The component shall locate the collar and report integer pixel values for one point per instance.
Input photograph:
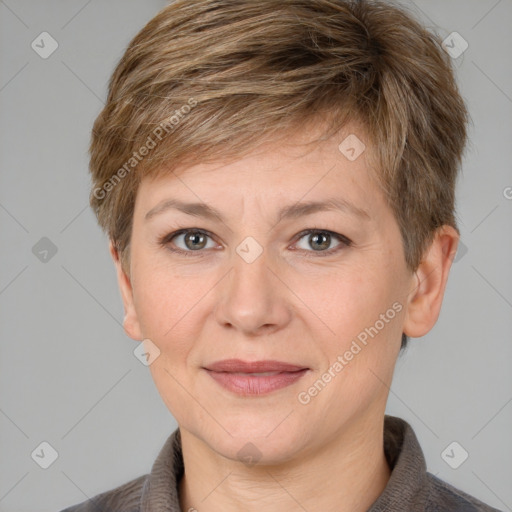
(406, 488)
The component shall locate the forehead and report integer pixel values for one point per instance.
(296, 168)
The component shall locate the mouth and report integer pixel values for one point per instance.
(266, 366)
(254, 378)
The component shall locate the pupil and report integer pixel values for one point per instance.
(193, 238)
(324, 244)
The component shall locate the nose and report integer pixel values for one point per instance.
(253, 299)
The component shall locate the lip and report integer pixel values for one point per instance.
(239, 366)
(233, 375)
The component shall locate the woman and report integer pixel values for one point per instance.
(277, 181)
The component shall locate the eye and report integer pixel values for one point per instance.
(321, 239)
(192, 240)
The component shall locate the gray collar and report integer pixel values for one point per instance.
(407, 488)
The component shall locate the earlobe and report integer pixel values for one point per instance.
(131, 323)
(425, 300)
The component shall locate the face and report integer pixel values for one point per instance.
(325, 290)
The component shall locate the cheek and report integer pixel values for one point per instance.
(169, 316)
(348, 301)
(367, 320)
(166, 304)
(364, 312)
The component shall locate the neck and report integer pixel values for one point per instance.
(347, 474)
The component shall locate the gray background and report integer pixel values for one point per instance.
(68, 375)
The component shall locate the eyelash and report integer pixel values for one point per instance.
(165, 240)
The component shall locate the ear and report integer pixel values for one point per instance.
(424, 303)
(131, 322)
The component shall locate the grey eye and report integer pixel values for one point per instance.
(319, 241)
(194, 240)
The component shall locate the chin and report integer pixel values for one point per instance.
(267, 442)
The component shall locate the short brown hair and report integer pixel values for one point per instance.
(210, 79)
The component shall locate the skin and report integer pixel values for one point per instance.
(326, 454)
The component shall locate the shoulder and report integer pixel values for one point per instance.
(444, 497)
(124, 498)
(159, 486)
(411, 487)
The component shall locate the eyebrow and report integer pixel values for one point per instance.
(299, 209)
